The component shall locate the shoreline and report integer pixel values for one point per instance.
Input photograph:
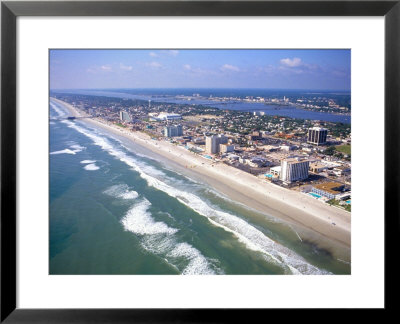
(267, 198)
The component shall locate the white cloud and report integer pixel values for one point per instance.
(154, 65)
(152, 54)
(228, 67)
(171, 52)
(197, 70)
(125, 67)
(106, 68)
(291, 62)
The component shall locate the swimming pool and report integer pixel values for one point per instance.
(269, 175)
(314, 195)
(348, 201)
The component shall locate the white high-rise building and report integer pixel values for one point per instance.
(124, 116)
(317, 135)
(173, 130)
(212, 144)
(293, 169)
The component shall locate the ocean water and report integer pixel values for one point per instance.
(115, 208)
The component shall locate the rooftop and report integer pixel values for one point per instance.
(318, 128)
(295, 160)
(331, 187)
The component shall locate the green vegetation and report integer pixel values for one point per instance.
(339, 130)
(334, 202)
(346, 149)
(339, 151)
(330, 150)
(120, 125)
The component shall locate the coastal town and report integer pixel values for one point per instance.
(307, 156)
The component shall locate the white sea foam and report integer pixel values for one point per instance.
(198, 264)
(158, 238)
(88, 161)
(75, 149)
(121, 191)
(182, 256)
(66, 151)
(91, 167)
(57, 109)
(253, 238)
(138, 220)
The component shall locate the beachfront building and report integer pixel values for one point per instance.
(173, 130)
(294, 169)
(317, 135)
(276, 170)
(124, 116)
(213, 143)
(225, 148)
(330, 190)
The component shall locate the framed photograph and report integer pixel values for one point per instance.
(161, 158)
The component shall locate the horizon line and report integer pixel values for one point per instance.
(159, 88)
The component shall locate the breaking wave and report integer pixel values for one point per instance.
(91, 167)
(75, 149)
(121, 191)
(158, 238)
(59, 111)
(249, 235)
(88, 161)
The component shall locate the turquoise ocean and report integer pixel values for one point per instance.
(117, 208)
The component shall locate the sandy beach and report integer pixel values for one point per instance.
(245, 188)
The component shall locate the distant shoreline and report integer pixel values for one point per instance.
(245, 188)
(332, 117)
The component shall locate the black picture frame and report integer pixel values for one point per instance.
(10, 10)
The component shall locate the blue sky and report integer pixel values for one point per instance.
(267, 69)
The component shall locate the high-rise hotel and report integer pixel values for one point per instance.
(124, 116)
(317, 135)
(213, 143)
(173, 130)
(294, 169)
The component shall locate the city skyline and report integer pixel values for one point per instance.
(258, 69)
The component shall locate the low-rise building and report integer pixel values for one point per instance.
(164, 116)
(330, 190)
(256, 162)
(276, 170)
(317, 167)
(341, 171)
